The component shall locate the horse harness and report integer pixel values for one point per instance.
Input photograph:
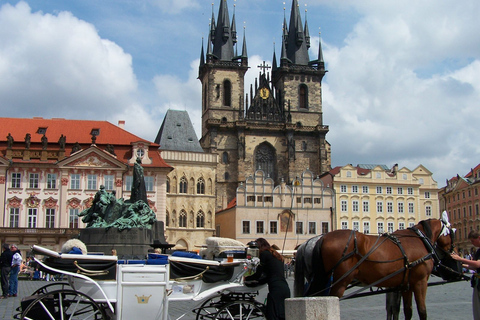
(431, 253)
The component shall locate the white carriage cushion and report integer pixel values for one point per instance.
(215, 245)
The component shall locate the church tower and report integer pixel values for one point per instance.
(276, 127)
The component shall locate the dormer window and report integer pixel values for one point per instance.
(95, 132)
(42, 130)
(140, 153)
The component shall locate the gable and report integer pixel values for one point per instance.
(92, 158)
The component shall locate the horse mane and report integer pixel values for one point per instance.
(426, 228)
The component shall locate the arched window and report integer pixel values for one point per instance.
(182, 219)
(167, 219)
(201, 186)
(168, 185)
(200, 219)
(265, 159)
(183, 185)
(227, 176)
(225, 157)
(227, 93)
(303, 96)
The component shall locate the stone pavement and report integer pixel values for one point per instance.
(448, 301)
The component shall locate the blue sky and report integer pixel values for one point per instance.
(403, 84)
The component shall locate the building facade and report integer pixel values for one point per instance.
(374, 199)
(277, 125)
(190, 208)
(285, 214)
(460, 197)
(51, 169)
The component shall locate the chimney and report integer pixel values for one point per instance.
(121, 124)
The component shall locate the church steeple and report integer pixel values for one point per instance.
(223, 40)
(296, 46)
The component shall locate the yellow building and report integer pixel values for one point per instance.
(376, 199)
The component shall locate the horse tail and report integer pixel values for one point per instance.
(299, 282)
(321, 279)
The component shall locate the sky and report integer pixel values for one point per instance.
(403, 81)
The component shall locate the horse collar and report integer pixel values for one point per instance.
(427, 243)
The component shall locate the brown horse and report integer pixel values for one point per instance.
(403, 260)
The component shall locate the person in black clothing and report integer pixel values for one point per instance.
(5, 262)
(271, 271)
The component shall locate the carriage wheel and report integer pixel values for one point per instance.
(209, 308)
(63, 304)
(240, 310)
(52, 287)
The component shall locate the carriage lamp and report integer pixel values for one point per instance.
(252, 250)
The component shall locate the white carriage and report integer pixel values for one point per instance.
(102, 287)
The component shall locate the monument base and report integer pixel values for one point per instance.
(129, 244)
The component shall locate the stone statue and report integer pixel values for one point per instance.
(107, 211)
(27, 141)
(44, 142)
(9, 141)
(110, 149)
(76, 147)
(61, 141)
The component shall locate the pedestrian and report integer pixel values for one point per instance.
(271, 271)
(6, 263)
(474, 264)
(16, 262)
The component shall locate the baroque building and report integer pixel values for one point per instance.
(51, 169)
(190, 206)
(460, 197)
(374, 199)
(277, 126)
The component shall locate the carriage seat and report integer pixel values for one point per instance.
(210, 271)
(99, 267)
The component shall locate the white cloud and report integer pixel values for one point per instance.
(56, 65)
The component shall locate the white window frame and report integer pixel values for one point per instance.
(344, 205)
(273, 224)
(355, 206)
(298, 227)
(365, 206)
(356, 225)
(75, 181)
(344, 225)
(343, 188)
(246, 225)
(33, 180)
(354, 189)
(312, 227)
(92, 182)
(51, 180)
(109, 182)
(366, 227)
(32, 218)
(260, 224)
(380, 206)
(149, 183)
(380, 228)
(390, 228)
(16, 180)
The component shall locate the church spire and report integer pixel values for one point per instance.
(223, 40)
(307, 34)
(202, 56)
(296, 46)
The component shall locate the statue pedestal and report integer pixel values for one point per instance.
(130, 244)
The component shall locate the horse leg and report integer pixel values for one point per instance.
(392, 304)
(407, 304)
(420, 291)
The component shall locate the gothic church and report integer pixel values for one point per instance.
(277, 126)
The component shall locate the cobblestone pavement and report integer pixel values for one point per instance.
(448, 301)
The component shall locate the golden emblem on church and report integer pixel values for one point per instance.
(264, 93)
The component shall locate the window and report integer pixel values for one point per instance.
(225, 157)
(50, 218)
(182, 219)
(400, 190)
(410, 190)
(325, 228)
(168, 185)
(51, 181)
(427, 194)
(355, 205)
(428, 211)
(32, 218)
(356, 225)
(299, 227)
(149, 182)
(227, 93)
(411, 224)
(404, 176)
(245, 227)
(411, 207)
(312, 227)
(379, 227)
(273, 227)
(389, 227)
(260, 227)
(400, 207)
(14, 217)
(317, 200)
(389, 190)
(401, 225)
(201, 186)
(108, 182)
(33, 181)
(349, 174)
(303, 96)
(128, 183)
(365, 206)
(250, 198)
(343, 188)
(265, 159)
(75, 181)
(379, 190)
(183, 185)
(343, 204)
(354, 189)
(307, 200)
(379, 206)
(16, 179)
(91, 182)
(378, 175)
(73, 218)
(200, 219)
(365, 189)
(344, 225)
(390, 207)
(167, 219)
(366, 227)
